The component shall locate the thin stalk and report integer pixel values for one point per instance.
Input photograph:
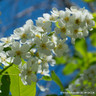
(6, 68)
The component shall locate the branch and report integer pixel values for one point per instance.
(68, 3)
(65, 3)
(91, 5)
(30, 9)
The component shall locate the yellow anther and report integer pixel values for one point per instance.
(37, 54)
(76, 31)
(23, 35)
(77, 21)
(66, 19)
(52, 18)
(43, 45)
(37, 35)
(3, 59)
(88, 22)
(42, 73)
(63, 30)
(18, 53)
(29, 72)
(60, 46)
(44, 21)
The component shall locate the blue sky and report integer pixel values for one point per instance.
(12, 8)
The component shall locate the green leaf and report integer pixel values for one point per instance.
(60, 60)
(93, 39)
(57, 25)
(94, 16)
(91, 58)
(51, 33)
(47, 78)
(23, 61)
(56, 79)
(14, 76)
(88, 1)
(81, 47)
(52, 95)
(6, 49)
(1, 65)
(0, 81)
(69, 68)
(17, 88)
(27, 90)
(5, 85)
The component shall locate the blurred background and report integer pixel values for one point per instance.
(14, 13)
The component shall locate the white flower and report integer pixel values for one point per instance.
(28, 72)
(47, 60)
(44, 45)
(3, 58)
(43, 25)
(37, 35)
(43, 67)
(42, 88)
(24, 32)
(86, 83)
(31, 53)
(54, 38)
(30, 42)
(65, 16)
(18, 51)
(55, 14)
(63, 29)
(72, 88)
(77, 19)
(60, 48)
(90, 73)
(7, 41)
(88, 20)
(76, 32)
(50, 18)
(51, 61)
(35, 44)
(43, 71)
(1, 47)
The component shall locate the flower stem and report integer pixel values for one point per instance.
(6, 68)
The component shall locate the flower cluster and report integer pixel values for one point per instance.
(86, 83)
(35, 45)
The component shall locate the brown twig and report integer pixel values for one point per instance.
(91, 5)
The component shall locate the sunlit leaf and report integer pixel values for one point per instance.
(51, 33)
(94, 16)
(60, 60)
(27, 90)
(23, 61)
(70, 68)
(47, 78)
(88, 1)
(57, 25)
(93, 39)
(17, 88)
(56, 79)
(92, 58)
(1, 66)
(81, 47)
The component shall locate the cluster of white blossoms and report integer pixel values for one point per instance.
(35, 45)
(86, 84)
